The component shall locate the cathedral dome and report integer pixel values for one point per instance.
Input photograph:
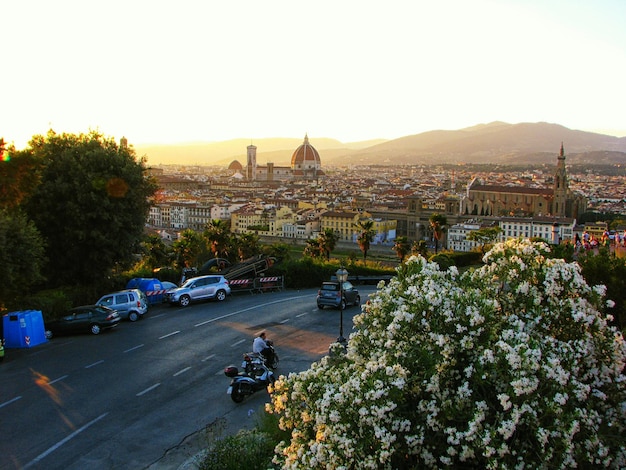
(305, 157)
(235, 165)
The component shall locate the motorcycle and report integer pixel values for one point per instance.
(255, 376)
(272, 363)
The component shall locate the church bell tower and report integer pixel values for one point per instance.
(561, 186)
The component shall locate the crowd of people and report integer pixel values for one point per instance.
(590, 241)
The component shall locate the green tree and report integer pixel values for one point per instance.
(419, 248)
(313, 249)
(610, 271)
(247, 245)
(19, 176)
(437, 223)
(366, 235)
(280, 251)
(90, 205)
(217, 234)
(484, 236)
(155, 252)
(327, 240)
(22, 257)
(401, 247)
(188, 249)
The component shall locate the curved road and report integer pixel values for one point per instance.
(122, 399)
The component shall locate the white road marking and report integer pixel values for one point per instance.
(143, 392)
(182, 371)
(211, 356)
(170, 334)
(256, 307)
(57, 380)
(10, 401)
(133, 348)
(63, 441)
(94, 364)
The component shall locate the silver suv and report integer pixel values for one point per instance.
(131, 304)
(199, 288)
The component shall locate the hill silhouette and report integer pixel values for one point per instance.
(496, 142)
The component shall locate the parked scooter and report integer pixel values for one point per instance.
(1, 349)
(255, 376)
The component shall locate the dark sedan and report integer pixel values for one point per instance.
(88, 318)
(329, 295)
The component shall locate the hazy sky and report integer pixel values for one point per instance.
(167, 72)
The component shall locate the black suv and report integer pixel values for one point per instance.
(329, 295)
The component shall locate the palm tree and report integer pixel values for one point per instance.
(188, 249)
(437, 222)
(313, 249)
(366, 236)
(419, 248)
(401, 247)
(247, 245)
(327, 241)
(217, 234)
(156, 253)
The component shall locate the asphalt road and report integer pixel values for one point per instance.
(124, 398)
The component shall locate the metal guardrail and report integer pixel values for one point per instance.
(258, 284)
(366, 279)
(269, 283)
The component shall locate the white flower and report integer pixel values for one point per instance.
(505, 401)
(449, 370)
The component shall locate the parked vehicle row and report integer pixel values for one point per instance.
(132, 305)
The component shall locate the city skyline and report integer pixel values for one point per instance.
(351, 71)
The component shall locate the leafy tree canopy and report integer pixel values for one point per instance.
(90, 205)
(21, 256)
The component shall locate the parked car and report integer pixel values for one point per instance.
(131, 304)
(87, 318)
(329, 295)
(167, 285)
(199, 288)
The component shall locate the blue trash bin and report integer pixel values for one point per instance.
(24, 329)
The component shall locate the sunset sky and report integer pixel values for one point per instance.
(170, 72)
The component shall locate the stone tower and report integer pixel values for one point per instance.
(561, 186)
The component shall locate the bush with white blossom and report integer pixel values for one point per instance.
(511, 365)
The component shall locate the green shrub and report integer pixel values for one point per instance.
(252, 450)
(443, 260)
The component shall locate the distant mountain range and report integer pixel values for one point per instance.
(496, 142)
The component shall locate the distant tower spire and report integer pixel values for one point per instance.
(251, 163)
(561, 186)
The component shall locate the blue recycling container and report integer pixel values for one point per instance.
(150, 286)
(24, 329)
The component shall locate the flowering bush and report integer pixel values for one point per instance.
(508, 366)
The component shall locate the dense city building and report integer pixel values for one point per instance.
(299, 201)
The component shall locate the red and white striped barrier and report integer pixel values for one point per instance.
(155, 292)
(239, 282)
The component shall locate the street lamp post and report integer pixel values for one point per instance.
(342, 276)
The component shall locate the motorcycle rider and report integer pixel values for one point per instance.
(260, 346)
